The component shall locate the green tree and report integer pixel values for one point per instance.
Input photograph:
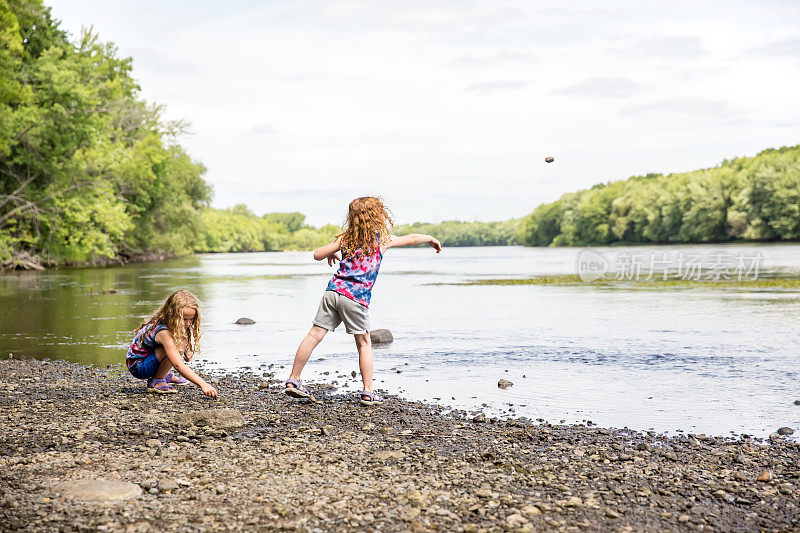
(750, 198)
(87, 169)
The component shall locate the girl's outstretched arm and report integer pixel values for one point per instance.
(413, 239)
(328, 252)
(165, 339)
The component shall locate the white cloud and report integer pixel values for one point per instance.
(600, 88)
(262, 129)
(447, 108)
(492, 86)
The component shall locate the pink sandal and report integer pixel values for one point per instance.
(296, 390)
(176, 379)
(160, 386)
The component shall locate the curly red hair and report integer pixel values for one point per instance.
(367, 218)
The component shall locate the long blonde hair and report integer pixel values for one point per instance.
(171, 315)
(366, 218)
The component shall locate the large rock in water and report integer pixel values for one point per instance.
(244, 321)
(215, 418)
(381, 336)
(785, 431)
(98, 490)
(504, 384)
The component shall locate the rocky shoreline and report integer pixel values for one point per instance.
(72, 436)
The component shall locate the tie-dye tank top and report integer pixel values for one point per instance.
(144, 342)
(357, 274)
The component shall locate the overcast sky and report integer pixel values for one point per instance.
(448, 108)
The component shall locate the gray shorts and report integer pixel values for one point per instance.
(336, 308)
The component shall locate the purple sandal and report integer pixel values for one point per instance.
(367, 397)
(176, 379)
(160, 386)
(297, 390)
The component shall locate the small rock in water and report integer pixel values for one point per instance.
(99, 490)
(381, 336)
(353, 373)
(504, 384)
(244, 321)
(764, 476)
(785, 431)
(796, 402)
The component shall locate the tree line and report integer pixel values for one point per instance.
(747, 198)
(90, 171)
(458, 233)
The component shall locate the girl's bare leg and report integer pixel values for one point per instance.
(165, 366)
(307, 345)
(364, 346)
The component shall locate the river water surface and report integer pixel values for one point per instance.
(702, 360)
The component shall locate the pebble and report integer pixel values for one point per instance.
(530, 511)
(215, 418)
(574, 501)
(516, 520)
(98, 490)
(167, 485)
(764, 476)
(504, 384)
(389, 454)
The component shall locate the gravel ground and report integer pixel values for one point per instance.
(256, 460)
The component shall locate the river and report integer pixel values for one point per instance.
(700, 360)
